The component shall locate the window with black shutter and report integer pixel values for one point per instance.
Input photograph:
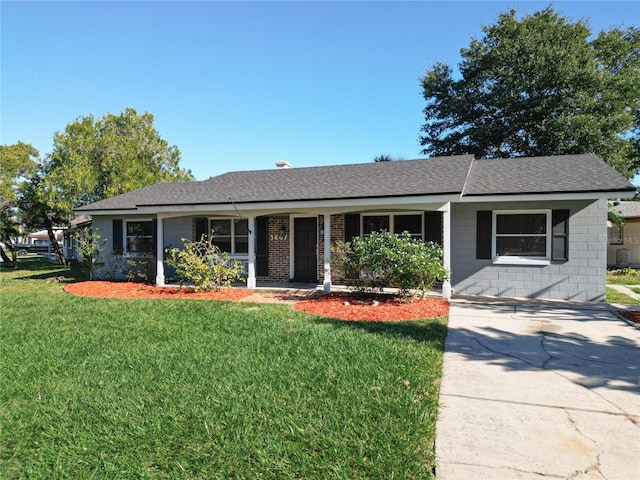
(484, 220)
(560, 235)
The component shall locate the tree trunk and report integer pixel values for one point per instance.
(7, 261)
(54, 242)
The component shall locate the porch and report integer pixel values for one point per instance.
(292, 250)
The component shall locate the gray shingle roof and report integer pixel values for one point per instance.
(430, 176)
(628, 209)
(528, 175)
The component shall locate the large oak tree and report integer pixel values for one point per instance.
(94, 159)
(17, 162)
(538, 86)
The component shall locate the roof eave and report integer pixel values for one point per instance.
(530, 196)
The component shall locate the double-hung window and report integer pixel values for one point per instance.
(139, 236)
(393, 223)
(230, 235)
(522, 236)
(615, 235)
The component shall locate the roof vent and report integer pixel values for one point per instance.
(283, 164)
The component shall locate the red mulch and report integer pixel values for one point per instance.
(633, 315)
(349, 307)
(333, 305)
(102, 289)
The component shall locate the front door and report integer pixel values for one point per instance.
(305, 244)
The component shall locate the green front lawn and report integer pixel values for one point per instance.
(614, 296)
(109, 388)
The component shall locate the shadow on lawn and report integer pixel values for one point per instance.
(42, 268)
(421, 331)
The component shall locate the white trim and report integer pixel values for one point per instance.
(232, 235)
(125, 245)
(513, 260)
(341, 205)
(519, 260)
(344, 205)
(391, 216)
(545, 197)
(446, 250)
(327, 252)
(251, 265)
(160, 251)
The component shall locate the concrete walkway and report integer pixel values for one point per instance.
(539, 390)
(626, 289)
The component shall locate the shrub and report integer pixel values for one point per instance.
(204, 265)
(386, 260)
(140, 269)
(90, 247)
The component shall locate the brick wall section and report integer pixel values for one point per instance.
(279, 250)
(582, 277)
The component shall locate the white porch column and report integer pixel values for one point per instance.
(251, 273)
(327, 253)
(160, 251)
(446, 248)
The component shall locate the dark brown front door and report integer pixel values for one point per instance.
(305, 239)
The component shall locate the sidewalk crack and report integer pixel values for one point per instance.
(593, 467)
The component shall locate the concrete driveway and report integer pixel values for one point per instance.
(536, 390)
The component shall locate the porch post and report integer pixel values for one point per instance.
(446, 248)
(160, 251)
(327, 253)
(251, 266)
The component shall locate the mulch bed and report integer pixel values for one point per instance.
(102, 289)
(631, 315)
(343, 306)
(373, 308)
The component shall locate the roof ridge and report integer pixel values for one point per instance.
(466, 178)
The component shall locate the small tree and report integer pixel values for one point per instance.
(90, 248)
(386, 260)
(204, 265)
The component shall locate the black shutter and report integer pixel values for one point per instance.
(155, 237)
(560, 235)
(262, 246)
(483, 234)
(351, 226)
(117, 236)
(433, 227)
(200, 229)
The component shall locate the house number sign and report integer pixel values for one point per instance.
(280, 237)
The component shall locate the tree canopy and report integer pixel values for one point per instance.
(94, 159)
(538, 86)
(17, 162)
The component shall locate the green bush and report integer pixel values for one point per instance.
(204, 265)
(386, 260)
(90, 246)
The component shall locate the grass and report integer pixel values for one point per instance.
(613, 296)
(111, 388)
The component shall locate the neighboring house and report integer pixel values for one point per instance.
(73, 235)
(521, 227)
(623, 249)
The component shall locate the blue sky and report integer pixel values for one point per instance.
(239, 85)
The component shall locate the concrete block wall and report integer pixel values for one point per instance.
(109, 265)
(582, 277)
